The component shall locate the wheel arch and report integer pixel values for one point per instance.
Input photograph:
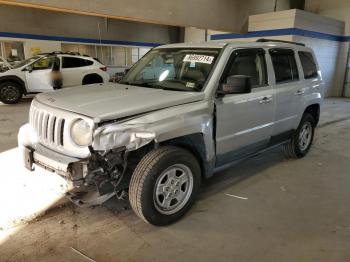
(16, 80)
(194, 143)
(92, 78)
(314, 110)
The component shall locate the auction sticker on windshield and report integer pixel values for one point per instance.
(199, 58)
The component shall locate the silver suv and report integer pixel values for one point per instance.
(182, 113)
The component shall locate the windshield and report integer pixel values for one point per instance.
(173, 69)
(27, 61)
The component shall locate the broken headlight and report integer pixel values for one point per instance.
(81, 133)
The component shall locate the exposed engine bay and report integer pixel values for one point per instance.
(108, 175)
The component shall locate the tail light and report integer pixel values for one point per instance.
(104, 68)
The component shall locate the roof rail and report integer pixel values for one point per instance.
(72, 53)
(63, 53)
(279, 41)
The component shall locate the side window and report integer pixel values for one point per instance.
(44, 63)
(88, 62)
(284, 65)
(72, 62)
(308, 64)
(249, 62)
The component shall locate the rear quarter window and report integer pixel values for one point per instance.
(72, 62)
(308, 64)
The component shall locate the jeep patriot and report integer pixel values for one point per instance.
(180, 114)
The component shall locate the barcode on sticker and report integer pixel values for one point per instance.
(199, 59)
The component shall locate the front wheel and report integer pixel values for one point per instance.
(10, 93)
(164, 185)
(301, 141)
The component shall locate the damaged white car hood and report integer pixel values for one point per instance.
(112, 101)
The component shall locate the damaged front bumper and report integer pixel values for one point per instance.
(101, 168)
(73, 169)
(91, 183)
(33, 153)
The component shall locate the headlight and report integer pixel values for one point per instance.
(81, 133)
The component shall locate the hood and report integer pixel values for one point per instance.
(12, 72)
(113, 101)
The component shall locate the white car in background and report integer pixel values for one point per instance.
(50, 71)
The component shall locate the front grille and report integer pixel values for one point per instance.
(47, 127)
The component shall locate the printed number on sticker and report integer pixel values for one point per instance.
(199, 59)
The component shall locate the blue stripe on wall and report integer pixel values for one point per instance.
(76, 39)
(283, 31)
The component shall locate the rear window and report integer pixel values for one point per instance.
(71, 62)
(308, 64)
(284, 65)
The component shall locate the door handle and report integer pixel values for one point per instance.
(265, 99)
(299, 92)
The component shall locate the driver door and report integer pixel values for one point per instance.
(244, 121)
(38, 75)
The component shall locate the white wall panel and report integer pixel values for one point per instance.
(273, 20)
(193, 34)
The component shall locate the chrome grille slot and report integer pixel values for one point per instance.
(61, 132)
(59, 128)
(40, 124)
(45, 124)
(51, 129)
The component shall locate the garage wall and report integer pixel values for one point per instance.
(47, 31)
(337, 9)
(47, 23)
(225, 15)
(252, 7)
(35, 46)
(193, 34)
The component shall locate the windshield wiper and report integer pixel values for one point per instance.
(177, 89)
(131, 84)
(156, 86)
(142, 84)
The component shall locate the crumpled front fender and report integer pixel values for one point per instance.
(114, 136)
(159, 126)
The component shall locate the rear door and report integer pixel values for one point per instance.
(244, 122)
(289, 90)
(73, 70)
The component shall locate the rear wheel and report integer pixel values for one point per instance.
(302, 138)
(164, 185)
(10, 92)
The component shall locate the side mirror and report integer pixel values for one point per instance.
(28, 68)
(236, 84)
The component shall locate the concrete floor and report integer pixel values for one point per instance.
(296, 210)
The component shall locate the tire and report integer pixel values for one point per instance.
(10, 92)
(164, 169)
(297, 148)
